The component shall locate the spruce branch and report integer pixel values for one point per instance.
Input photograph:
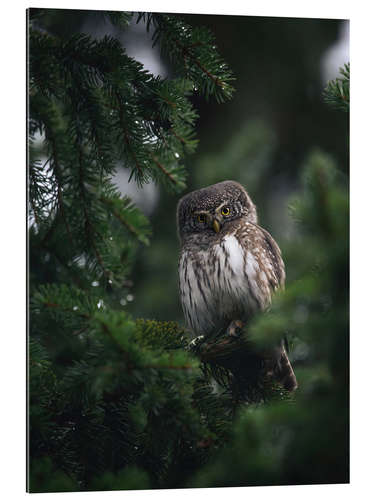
(193, 52)
(119, 19)
(90, 232)
(129, 216)
(54, 305)
(61, 204)
(34, 183)
(337, 92)
(127, 141)
(181, 139)
(186, 51)
(163, 169)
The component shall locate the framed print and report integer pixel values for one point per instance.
(188, 250)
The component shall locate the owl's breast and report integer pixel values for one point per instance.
(220, 283)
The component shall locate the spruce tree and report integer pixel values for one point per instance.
(121, 402)
(114, 402)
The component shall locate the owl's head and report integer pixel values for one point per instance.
(212, 210)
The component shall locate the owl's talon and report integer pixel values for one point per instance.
(235, 328)
(195, 342)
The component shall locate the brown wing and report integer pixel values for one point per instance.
(273, 252)
(267, 273)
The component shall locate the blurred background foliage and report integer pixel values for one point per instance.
(279, 138)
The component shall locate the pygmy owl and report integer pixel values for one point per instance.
(229, 266)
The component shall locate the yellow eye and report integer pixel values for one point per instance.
(225, 211)
(201, 218)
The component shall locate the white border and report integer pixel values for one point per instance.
(273, 8)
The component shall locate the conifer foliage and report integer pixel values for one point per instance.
(337, 91)
(114, 402)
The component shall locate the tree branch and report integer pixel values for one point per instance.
(163, 169)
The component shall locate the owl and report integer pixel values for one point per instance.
(229, 266)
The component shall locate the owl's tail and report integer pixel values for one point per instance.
(280, 368)
(284, 370)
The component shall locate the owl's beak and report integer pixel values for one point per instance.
(216, 225)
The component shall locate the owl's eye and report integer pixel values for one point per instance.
(201, 218)
(225, 211)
